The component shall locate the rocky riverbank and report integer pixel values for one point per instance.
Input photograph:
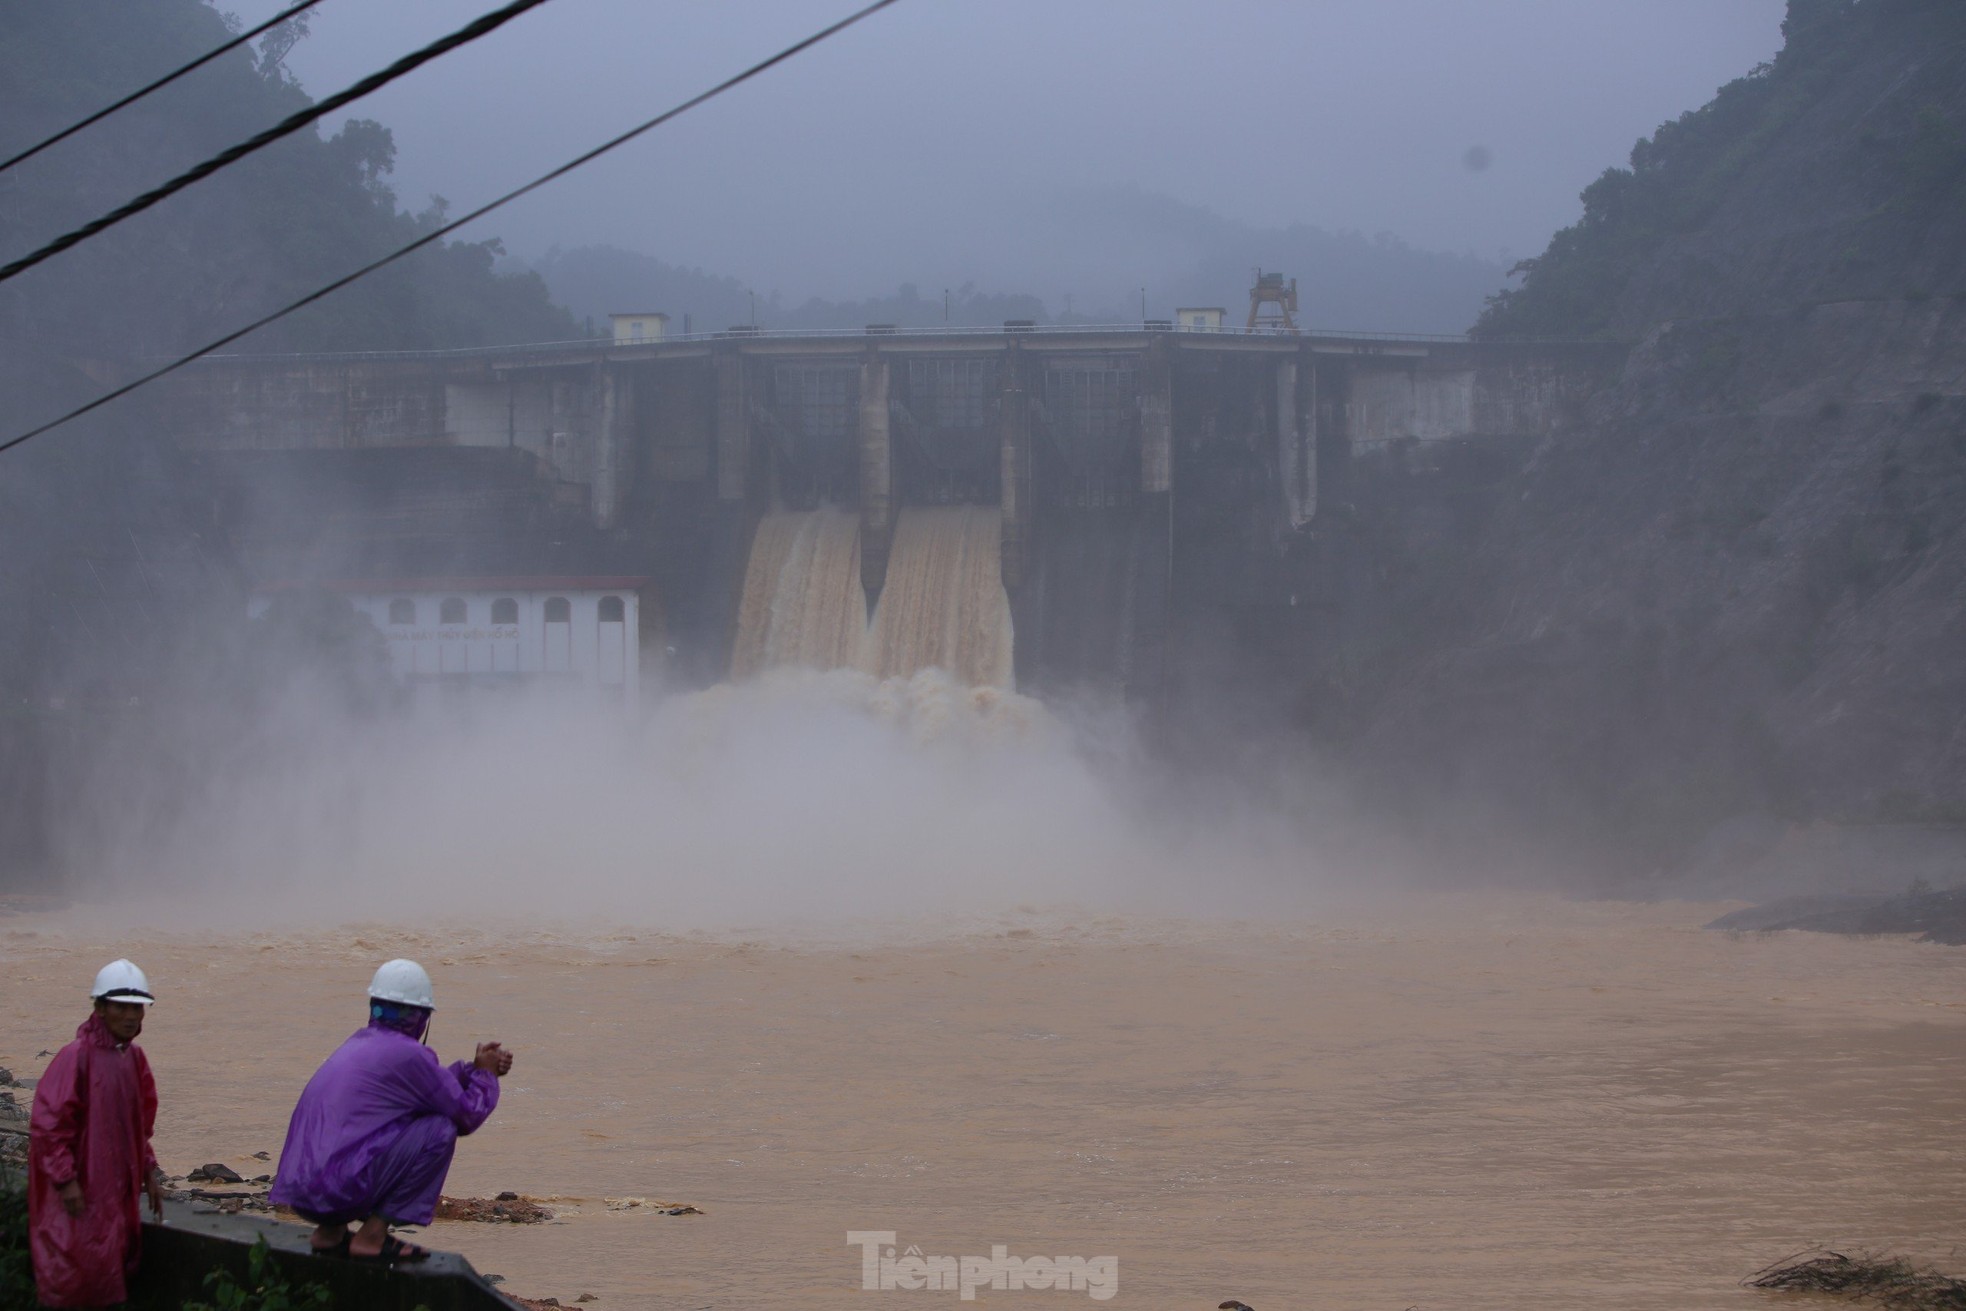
(1935, 916)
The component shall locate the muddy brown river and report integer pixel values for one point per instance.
(1463, 1102)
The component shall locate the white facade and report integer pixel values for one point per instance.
(630, 329)
(1207, 319)
(576, 634)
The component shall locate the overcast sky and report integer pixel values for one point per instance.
(917, 145)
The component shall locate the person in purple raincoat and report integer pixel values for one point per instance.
(372, 1136)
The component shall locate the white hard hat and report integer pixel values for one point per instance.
(122, 981)
(404, 982)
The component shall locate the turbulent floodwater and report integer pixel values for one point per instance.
(943, 605)
(1466, 1102)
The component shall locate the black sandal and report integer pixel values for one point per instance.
(394, 1252)
(338, 1250)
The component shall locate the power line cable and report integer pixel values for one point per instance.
(165, 80)
(285, 128)
(455, 224)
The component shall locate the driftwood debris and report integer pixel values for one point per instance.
(1892, 1282)
(506, 1208)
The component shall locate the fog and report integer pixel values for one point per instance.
(801, 801)
(1102, 158)
(943, 143)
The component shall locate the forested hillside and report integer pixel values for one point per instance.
(1838, 171)
(1737, 593)
(122, 605)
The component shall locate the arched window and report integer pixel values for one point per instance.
(402, 611)
(451, 610)
(558, 644)
(505, 611)
(611, 643)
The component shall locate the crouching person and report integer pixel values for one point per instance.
(88, 1152)
(371, 1139)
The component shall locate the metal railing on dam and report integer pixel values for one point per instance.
(881, 333)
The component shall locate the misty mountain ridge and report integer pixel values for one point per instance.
(1099, 242)
(1089, 255)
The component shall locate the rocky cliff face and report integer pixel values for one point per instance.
(1739, 588)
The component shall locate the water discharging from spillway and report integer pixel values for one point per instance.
(943, 606)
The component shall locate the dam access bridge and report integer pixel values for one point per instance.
(1138, 471)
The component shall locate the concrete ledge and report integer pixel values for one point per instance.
(195, 1239)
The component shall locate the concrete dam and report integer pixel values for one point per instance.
(1041, 508)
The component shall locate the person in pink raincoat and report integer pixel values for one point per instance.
(372, 1136)
(88, 1151)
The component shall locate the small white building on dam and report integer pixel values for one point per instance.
(576, 634)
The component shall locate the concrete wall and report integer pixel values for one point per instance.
(300, 404)
(675, 422)
(1432, 399)
(1411, 402)
(603, 424)
(1471, 391)
(578, 420)
(194, 1240)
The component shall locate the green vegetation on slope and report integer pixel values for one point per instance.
(1697, 225)
(16, 1269)
(244, 241)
